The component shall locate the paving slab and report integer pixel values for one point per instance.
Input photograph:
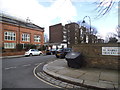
(63, 71)
(74, 75)
(109, 76)
(54, 68)
(59, 62)
(105, 85)
(90, 83)
(94, 77)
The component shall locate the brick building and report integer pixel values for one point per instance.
(66, 36)
(16, 31)
(73, 34)
(56, 33)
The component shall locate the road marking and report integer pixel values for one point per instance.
(26, 65)
(38, 63)
(42, 79)
(27, 57)
(10, 68)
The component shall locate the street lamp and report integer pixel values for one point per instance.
(89, 39)
(89, 21)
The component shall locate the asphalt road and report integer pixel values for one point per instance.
(18, 72)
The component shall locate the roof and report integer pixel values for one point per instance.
(72, 23)
(15, 21)
(56, 25)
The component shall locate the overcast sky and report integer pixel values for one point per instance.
(49, 12)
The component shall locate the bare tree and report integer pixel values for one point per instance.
(111, 38)
(104, 6)
(94, 31)
(117, 31)
(99, 36)
(87, 27)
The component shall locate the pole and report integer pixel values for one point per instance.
(90, 41)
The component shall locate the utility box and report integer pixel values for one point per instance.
(74, 59)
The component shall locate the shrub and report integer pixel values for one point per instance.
(33, 46)
(30, 46)
(42, 48)
(19, 47)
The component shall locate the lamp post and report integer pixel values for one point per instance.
(89, 38)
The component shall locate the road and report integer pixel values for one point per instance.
(18, 72)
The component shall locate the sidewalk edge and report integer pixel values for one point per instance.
(69, 79)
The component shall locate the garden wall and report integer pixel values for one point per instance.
(13, 53)
(93, 56)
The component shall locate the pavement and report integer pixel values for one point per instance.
(87, 77)
(16, 56)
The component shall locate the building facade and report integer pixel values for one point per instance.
(73, 34)
(15, 32)
(56, 33)
(64, 36)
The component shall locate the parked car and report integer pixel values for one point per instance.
(60, 53)
(32, 52)
(48, 52)
(53, 51)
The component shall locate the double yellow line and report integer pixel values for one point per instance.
(42, 79)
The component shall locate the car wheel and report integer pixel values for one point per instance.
(30, 54)
(60, 57)
(40, 54)
(57, 56)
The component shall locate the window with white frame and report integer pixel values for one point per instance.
(36, 38)
(10, 36)
(23, 45)
(9, 45)
(25, 37)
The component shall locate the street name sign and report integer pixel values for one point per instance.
(110, 50)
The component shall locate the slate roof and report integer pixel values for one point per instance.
(14, 21)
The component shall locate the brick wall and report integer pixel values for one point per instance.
(93, 56)
(13, 53)
(9, 27)
(19, 30)
(55, 33)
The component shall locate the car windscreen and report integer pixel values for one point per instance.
(68, 49)
(60, 50)
(32, 50)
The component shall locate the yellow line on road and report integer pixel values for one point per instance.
(42, 79)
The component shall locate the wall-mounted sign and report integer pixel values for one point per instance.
(110, 50)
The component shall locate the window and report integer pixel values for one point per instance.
(64, 32)
(68, 30)
(64, 40)
(23, 45)
(9, 36)
(9, 45)
(36, 38)
(75, 38)
(33, 50)
(64, 37)
(37, 44)
(25, 37)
